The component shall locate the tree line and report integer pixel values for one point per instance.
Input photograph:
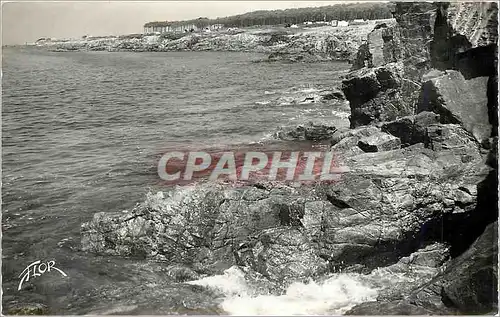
(346, 11)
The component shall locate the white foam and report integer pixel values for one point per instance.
(263, 103)
(335, 295)
(232, 282)
(341, 114)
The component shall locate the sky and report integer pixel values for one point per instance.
(26, 21)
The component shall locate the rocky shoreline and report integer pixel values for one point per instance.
(306, 45)
(420, 193)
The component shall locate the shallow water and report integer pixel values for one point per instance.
(81, 133)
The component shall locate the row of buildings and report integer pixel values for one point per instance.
(165, 27)
(339, 23)
(176, 27)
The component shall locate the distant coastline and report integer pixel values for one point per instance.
(302, 43)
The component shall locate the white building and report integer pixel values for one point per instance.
(359, 22)
(215, 27)
(343, 23)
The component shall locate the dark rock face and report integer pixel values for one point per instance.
(412, 129)
(469, 283)
(377, 94)
(458, 101)
(450, 136)
(465, 38)
(416, 22)
(456, 121)
(347, 143)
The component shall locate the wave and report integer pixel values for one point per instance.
(333, 296)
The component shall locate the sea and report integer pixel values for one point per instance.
(81, 132)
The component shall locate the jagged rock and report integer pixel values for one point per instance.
(379, 142)
(376, 94)
(458, 101)
(200, 226)
(290, 133)
(382, 47)
(416, 22)
(432, 256)
(282, 254)
(418, 268)
(346, 143)
(386, 206)
(412, 181)
(469, 283)
(476, 21)
(411, 129)
(317, 132)
(311, 131)
(452, 137)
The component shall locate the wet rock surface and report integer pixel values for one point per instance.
(310, 131)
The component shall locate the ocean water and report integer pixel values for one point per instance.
(81, 133)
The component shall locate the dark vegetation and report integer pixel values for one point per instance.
(367, 11)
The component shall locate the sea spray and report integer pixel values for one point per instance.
(334, 295)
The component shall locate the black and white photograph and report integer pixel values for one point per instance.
(249, 158)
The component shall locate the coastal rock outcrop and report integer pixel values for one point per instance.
(373, 217)
(382, 46)
(439, 95)
(411, 129)
(282, 254)
(467, 285)
(450, 50)
(378, 94)
(310, 131)
(469, 282)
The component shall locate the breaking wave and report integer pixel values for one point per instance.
(333, 296)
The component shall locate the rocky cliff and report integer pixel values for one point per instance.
(419, 193)
(449, 53)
